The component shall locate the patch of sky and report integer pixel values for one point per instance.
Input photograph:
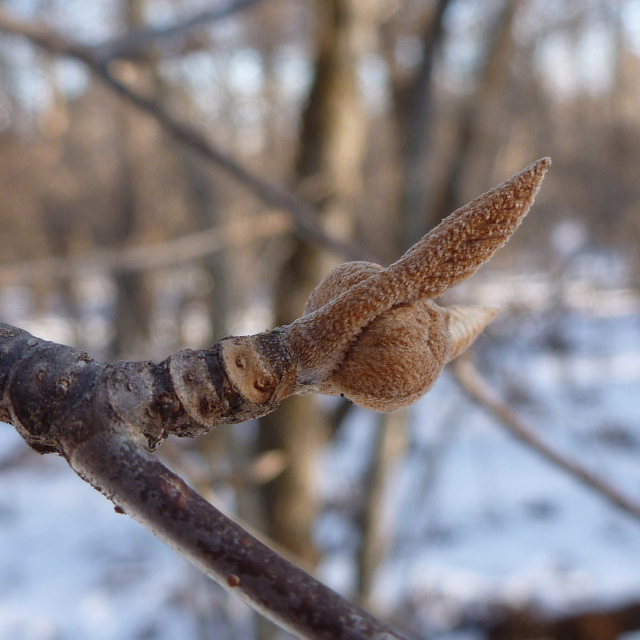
(228, 32)
(160, 13)
(374, 82)
(71, 76)
(630, 16)
(462, 49)
(535, 18)
(30, 85)
(568, 235)
(596, 55)
(459, 62)
(245, 72)
(570, 64)
(89, 22)
(557, 65)
(23, 8)
(336, 571)
(202, 74)
(294, 69)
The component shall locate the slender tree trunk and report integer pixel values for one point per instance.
(376, 532)
(474, 127)
(416, 115)
(133, 302)
(329, 168)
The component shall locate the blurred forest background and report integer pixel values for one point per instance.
(139, 142)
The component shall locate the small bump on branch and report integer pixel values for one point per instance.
(372, 334)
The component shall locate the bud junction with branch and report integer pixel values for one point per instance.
(371, 334)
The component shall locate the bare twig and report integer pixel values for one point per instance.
(479, 389)
(306, 224)
(105, 419)
(133, 44)
(76, 407)
(154, 255)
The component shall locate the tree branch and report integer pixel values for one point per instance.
(102, 418)
(160, 500)
(479, 389)
(306, 224)
(133, 44)
(152, 255)
(368, 334)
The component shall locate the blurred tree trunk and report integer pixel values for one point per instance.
(414, 107)
(157, 200)
(474, 149)
(329, 170)
(134, 300)
(390, 446)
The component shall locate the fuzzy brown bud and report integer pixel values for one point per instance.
(375, 335)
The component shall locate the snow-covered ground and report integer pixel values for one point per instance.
(481, 519)
(476, 517)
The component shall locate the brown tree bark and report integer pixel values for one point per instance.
(474, 126)
(415, 112)
(329, 168)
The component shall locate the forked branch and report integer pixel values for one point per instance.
(369, 333)
(134, 43)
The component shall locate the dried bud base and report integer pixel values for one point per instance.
(375, 336)
(372, 334)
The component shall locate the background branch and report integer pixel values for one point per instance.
(481, 391)
(157, 254)
(133, 44)
(306, 225)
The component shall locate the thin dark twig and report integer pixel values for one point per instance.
(146, 490)
(103, 418)
(307, 226)
(479, 389)
(133, 43)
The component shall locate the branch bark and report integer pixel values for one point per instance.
(135, 42)
(103, 418)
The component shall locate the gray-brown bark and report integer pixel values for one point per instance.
(333, 143)
(100, 418)
(105, 418)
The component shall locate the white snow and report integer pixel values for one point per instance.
(476, 517)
